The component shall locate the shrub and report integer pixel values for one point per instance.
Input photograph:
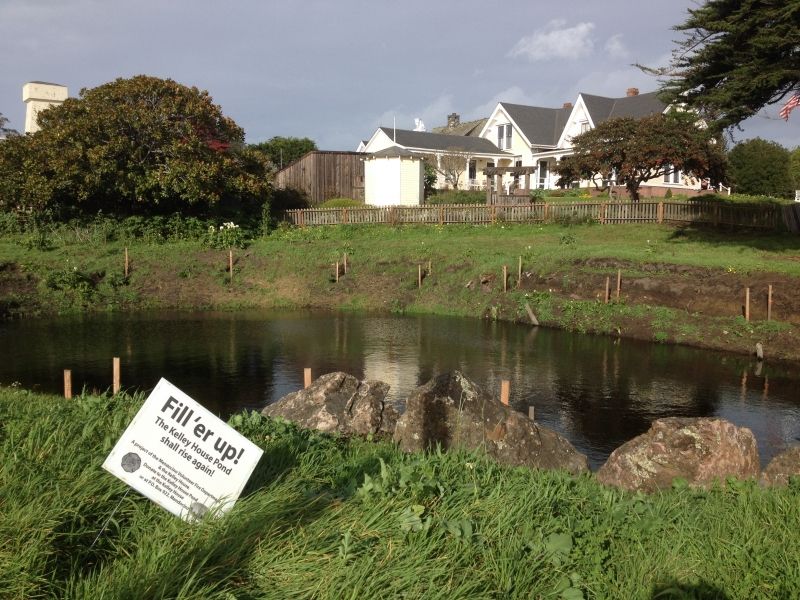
(341, 203)
(458, 197)
(227, 235)
(667, 194)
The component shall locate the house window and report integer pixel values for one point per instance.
(672, 175)
(504, 133)
(473, 170)
(584, 126)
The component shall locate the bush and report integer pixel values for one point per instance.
(458, 197)
(227, 235)
(341, 203)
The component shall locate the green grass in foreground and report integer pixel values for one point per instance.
(332, 518)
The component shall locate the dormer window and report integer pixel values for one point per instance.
(584, 126)
(504, 136)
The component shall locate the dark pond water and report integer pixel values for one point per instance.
(597, 391)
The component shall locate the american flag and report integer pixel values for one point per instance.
(787, 108)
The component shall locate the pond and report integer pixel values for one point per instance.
(597, 391)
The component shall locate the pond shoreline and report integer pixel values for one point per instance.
(454, 272)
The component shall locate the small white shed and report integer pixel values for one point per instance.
(394, 177)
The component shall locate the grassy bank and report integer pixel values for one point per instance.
(678, 285)
(332, 518)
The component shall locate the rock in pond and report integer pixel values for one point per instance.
(453, 411)
(338, 403)
(782, 467)
(700, 450)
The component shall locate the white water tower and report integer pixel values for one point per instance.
(39, 96)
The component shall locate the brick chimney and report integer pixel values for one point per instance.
(632, 92)
(567, 105)
(453, 120)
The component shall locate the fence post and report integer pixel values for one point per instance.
(344, 260)
(546, 211)
(660, 212)
(608, 289)
(302, 218)
(115, 385)
(519, 273)
(619, 282)
(505, 278)
(747, 304)
(602, 213)
(306, 377)
(441, 215)
(769, 303)
(230, 263)
(127, 263)
(336, 272)
(505, 391)
(67, 384)
(494, 213)
(344, 216)
(419, 276)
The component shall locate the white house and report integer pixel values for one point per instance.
(539, 137)
(478, 153)
(516, 135)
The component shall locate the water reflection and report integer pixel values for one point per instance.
(597, 391)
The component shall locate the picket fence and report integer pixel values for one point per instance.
(705, 213)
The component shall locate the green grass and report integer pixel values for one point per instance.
(327, 517)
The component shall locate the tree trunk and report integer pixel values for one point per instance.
(633, 190)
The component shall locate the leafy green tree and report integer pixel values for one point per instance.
(284, 150)
(737, 56)
(761, 167)
(794, 166)
(138, 145)
(633, 151)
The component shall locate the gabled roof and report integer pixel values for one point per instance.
(423, 140)
(602, 108)
(541, 126)
(469, 128)
(393, 152)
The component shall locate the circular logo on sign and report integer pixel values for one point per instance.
(131, 462)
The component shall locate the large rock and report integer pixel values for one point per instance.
(782, 467)
(338, 402)
(453, 411)
(700, 450)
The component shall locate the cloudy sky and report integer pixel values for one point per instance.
(335, 70)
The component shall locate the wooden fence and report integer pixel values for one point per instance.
(701, 213)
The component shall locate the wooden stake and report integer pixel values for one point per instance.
(127, 263)
(619, 282)
(67, 384)
(531, 413)
(534, 320)
(429, 268)
(519, 272)
(769, 303)
(116, 380)
(230, 263)
(344, 260)
(505, 278)
(747, 304)
(306, 377)
(336, 272)
(419, 276)
(505, 391)
(608, 289)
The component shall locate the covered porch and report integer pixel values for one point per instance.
(517, 181)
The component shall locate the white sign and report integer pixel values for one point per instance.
(181, 456)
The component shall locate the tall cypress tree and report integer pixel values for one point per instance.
(737, 56)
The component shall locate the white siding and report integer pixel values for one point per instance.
(393, 181)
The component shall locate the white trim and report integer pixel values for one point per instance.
(491, 118)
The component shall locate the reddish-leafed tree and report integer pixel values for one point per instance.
(633, 151)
